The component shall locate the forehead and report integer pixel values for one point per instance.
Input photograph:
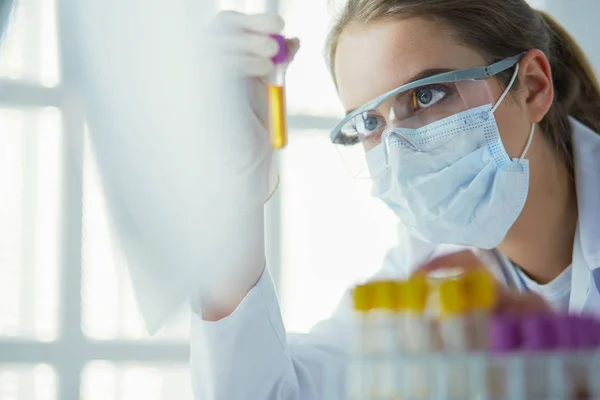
(375, 58)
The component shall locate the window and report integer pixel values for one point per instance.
(104, 380)
(69, 326)
(28, 381)
(29, 197)
(333, 232)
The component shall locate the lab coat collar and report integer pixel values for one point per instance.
(586, 151)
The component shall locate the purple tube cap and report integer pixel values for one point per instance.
(281, 57)
(587, 332)
(538, 333)
(504, 333)
(596, 330)
(566, 332)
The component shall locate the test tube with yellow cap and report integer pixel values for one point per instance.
(276, 95)
(418, 329)
(384, 317)
(400, 316)
(454, 334)
(482, 294)
(419, 337)
(360, 377)
(453, 307)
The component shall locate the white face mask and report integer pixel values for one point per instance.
(463, 191)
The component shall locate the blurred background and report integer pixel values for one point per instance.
(69, 326)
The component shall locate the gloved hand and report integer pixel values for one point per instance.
(244, 51)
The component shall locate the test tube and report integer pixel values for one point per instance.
(384, 318)
(568, 344)
(453, 307)
(505, 339)
(539, 339)
(595, 360)
(359, 381)
(482, 295)
(402, 338)
(276, 95)
(584, 332)
(453, 333)
(419, 335)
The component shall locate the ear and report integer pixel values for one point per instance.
(535, 77)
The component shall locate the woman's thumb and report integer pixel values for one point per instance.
(293, 45)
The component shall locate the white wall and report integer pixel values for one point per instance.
(582, 19)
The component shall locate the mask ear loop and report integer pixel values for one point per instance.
(504, 94)
(528, 143)
(512, 81)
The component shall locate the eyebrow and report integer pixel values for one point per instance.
(421, 75)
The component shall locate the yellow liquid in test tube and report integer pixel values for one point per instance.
(277, 120)
(276, 95)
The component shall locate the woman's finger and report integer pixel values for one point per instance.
(247, 66)
(247, 43)
(507, 301)
(259, 23)
(465, 260)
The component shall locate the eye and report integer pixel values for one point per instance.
(370, 123)
(428, 96)
(367, 124)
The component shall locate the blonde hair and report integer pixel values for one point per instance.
(500, 29)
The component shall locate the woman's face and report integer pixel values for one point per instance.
(375, 58)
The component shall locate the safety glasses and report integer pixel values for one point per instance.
(412, 107)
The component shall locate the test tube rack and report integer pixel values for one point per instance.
(485, 376)
(445, 340)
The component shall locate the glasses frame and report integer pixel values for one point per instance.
(445, 77)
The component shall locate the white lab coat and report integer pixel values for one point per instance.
(249, 354)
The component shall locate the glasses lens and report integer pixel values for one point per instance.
(412, 111)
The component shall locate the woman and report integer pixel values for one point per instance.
(499, 159)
